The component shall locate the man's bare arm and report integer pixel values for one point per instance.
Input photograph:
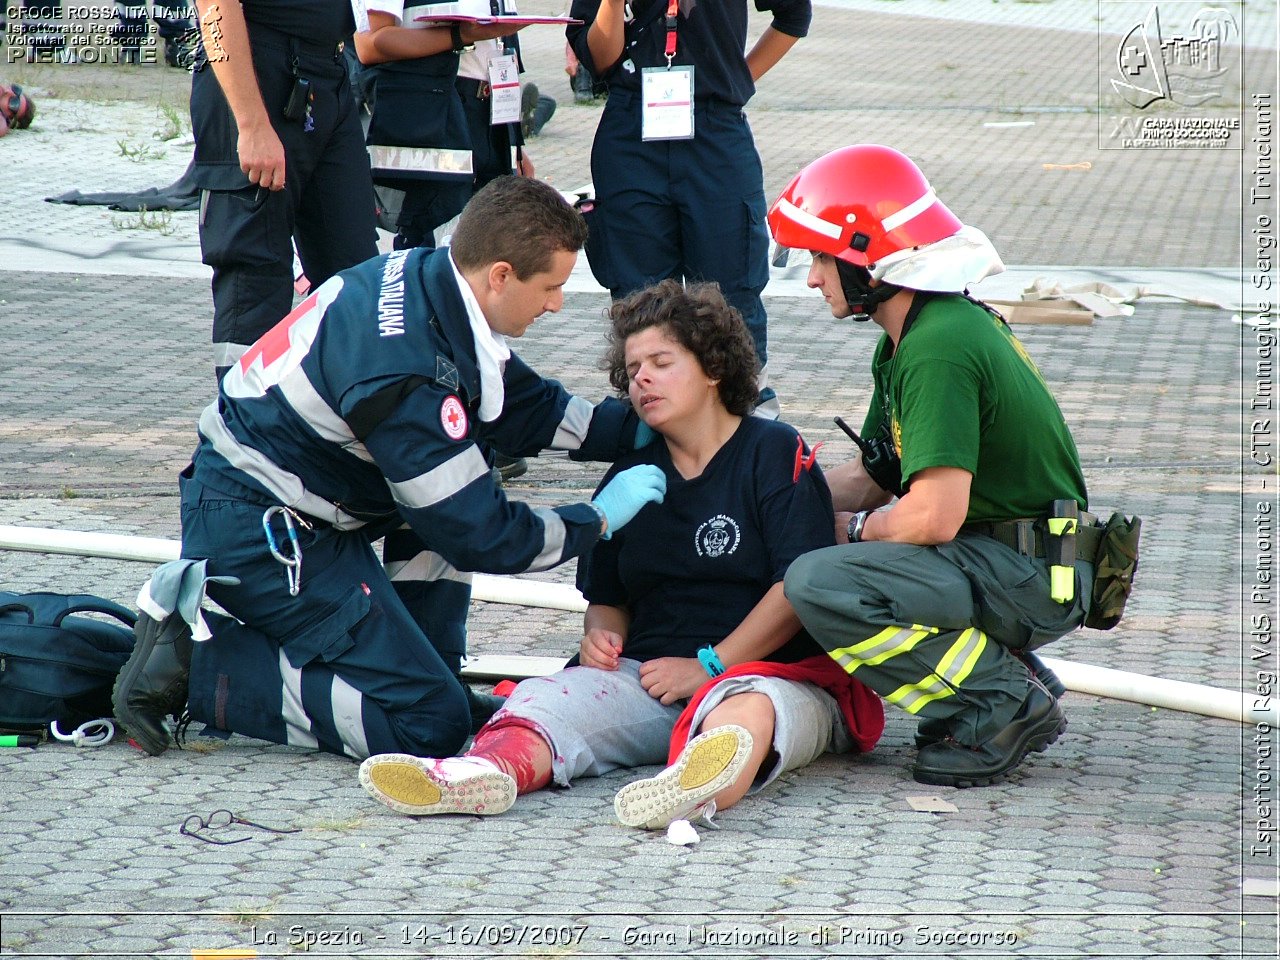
(386, 40)
(769, 49)
(931, 512)
(226, 43)
(605, 37)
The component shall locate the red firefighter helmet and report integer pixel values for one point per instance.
(860, 204)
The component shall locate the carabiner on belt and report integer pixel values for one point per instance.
(292, 564)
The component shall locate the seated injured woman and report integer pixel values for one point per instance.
(691, 655)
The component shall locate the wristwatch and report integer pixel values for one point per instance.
(459, 46)
(856, 523)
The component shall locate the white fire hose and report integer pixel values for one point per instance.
(1080, 677)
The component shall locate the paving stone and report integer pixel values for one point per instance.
(103, 376)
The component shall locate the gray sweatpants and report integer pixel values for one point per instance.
(601, 720)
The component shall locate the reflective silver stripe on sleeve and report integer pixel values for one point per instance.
(348, 718)
(321, 417)
(573, 427)
(297, 724)
(226, 354)
(420, 160)
(442, 482)
(425, 567)
(285, 486)
(552, 539)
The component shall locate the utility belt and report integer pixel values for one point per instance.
(1029, 537)
(1111, 545)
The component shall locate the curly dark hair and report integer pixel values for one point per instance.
(700, 320)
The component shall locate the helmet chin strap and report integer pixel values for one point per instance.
(859, 294)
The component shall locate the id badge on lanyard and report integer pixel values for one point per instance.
(504, 90)
(666, 104)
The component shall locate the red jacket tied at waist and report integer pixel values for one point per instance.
(862, 709)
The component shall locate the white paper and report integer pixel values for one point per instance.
(931, 805)
(682, 834)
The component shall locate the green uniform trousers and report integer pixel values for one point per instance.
(930, 629)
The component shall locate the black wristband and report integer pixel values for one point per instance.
(455, 32)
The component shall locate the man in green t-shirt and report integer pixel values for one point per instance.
(937, 601)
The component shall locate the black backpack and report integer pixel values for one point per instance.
(58, 667)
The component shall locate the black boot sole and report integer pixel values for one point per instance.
(1037, 741)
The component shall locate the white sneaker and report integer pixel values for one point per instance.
(708, 763)
(420, 786)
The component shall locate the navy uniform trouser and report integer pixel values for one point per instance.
(246, 232)
(934, 629)
(354, 664)
(687, 209)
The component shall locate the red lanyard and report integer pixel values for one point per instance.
(673, 10)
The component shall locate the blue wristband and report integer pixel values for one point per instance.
(710, 661)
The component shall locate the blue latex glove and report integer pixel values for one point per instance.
(645, 435)
(626, 493)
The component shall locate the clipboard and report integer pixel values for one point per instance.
(514, 21)
(482, 11)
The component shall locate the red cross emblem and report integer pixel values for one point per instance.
(453, 417)
(274, 344)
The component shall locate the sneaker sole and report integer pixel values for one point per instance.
(137, 730)
(1036, 743)
(406, 785)
(709, 763)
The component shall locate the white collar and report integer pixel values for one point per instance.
(492, 352)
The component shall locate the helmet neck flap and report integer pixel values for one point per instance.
(859, 294)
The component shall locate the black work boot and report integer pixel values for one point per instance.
(583, 88)
(932, 730)
(509, 467)
(483, 706)
(1037, 724)
(153, 683)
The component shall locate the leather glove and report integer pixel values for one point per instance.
(626, 493)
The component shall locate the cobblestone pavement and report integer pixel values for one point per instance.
(1136, 835)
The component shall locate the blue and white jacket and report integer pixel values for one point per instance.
(359, 409)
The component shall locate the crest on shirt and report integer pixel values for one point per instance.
(717, 537)
(453, 417)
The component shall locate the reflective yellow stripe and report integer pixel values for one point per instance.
(955, 666)
(889, 642)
